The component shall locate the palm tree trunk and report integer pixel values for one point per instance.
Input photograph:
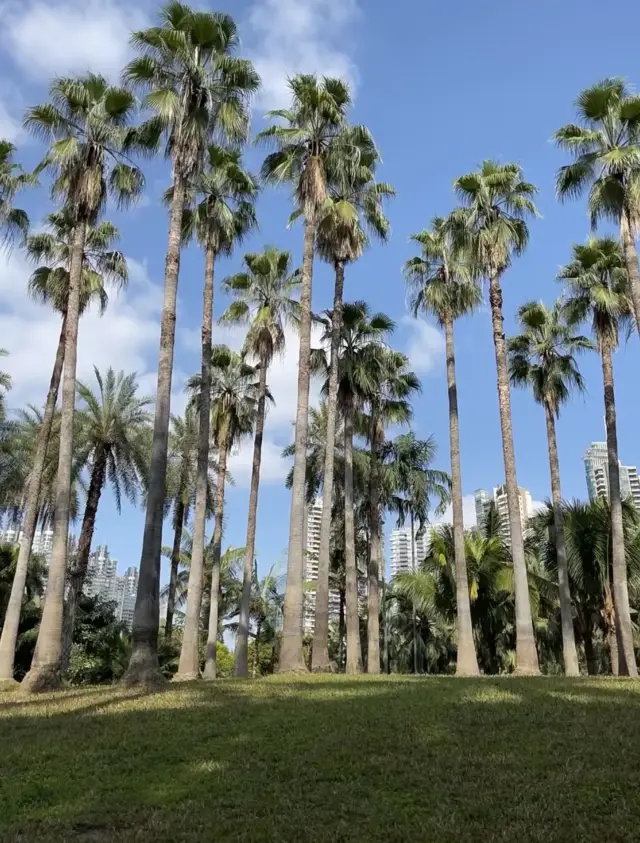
(619, 561)
(11, 622)
(45, 667)
(589, 651)
(242, 638)
(143, 666)
(526, 653)
(320, 652)
(212, 636)
(175, 564)
(569, 651)
(256, 654)
(291, 656)
(413, 605)
(341, 630)
(467, 661)
(631, 262)
(354, 662)
(189, 665)
(385, 627)
(79, 570)
(373, 597)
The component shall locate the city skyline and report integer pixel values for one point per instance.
(597, 475)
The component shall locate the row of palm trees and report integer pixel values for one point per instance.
(195, 89)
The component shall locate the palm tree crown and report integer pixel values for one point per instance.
(543, 355)
(13, 221)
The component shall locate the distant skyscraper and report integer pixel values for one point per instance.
(313, 521)
(400, 542)
(126, 590)
(101, 574)
(597, 472)
(499, 498)
(42, 540)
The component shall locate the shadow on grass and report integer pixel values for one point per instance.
(338, 759)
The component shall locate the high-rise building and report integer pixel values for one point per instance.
(126, 590)
(42, 539)
(101, 574)
(313, 521)
(499, 499)
(400, 541)
(596, 466)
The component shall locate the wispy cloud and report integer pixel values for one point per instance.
(425, 344)
(300, 36)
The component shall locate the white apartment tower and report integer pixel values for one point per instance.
(597, 472)
(101, 574)
(483, 501)
(313, 521)
(400, 541)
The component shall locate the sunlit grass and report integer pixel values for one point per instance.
(325, 759)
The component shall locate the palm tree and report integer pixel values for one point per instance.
(198, 89)
(543, 357)
(234, 398)
(359, 355)
(113, 435)
(605, 146)
(5, 386)
(49, 284)
(14, 223)
(181, 466)
(225, 212)
(303, 145)
(493, 224)
(86, 124)
(412, 482)
(263, 293)
(597, 287)
(441, 284)
(352, 210)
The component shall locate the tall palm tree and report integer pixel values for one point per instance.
(359, 355)
(605, 146)
(113, 436)
(234, 398)
(412, 482)
(5, 386)
(198, 89)
(542, 357)
(263, 300)
(302, 146)
(441, 284)
(597, 288)
(387, 397)
(14, 223)
(86, 124)
(181, 480)
(493, 225)
(223, 215)
(49, 284)
(352, 211)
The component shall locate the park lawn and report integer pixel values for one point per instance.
(325, 759)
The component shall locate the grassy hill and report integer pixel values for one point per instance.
(325, 759)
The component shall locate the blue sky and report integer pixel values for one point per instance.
(441, 86)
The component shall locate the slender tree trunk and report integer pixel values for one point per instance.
(373, 596)
(354, 662)
(143, 666)
(212, 636)
(570, 654)
(589, 651)
(619, 561)
(526, 653)
(255, 649)
(173, 573)
(631, 262)
(79, 570)
(467, 661)
(341, 629)
(413, 605)
(242, 638)
(45, 667)
(385, 621)
(189, 665)
(291, 656)
(320, 653)
(11, 622)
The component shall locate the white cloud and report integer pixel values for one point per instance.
(425, 345)
(536, 506)
(273, 468)
(10, 127)
(468, 513)
(300, 36)
(71, 36)
(126, 337)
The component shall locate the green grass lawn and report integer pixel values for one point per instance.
(325, 759)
